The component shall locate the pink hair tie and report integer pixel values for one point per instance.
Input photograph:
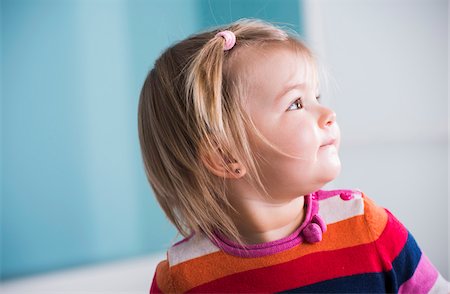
(230, 39)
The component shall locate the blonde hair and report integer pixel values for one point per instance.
(191, 105)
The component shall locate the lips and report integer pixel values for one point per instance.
(329, 142)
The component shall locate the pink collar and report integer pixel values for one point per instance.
(310, 230)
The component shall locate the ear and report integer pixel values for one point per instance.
(217, 164)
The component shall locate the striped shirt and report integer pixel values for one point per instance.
(346, 244)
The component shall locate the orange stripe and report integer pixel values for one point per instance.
(346, 233)
(376, 216)
(163, 278)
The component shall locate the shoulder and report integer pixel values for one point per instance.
(406, 267)
(192, 247)
(351, 214)
(182, 261)
(352, 206)
(360, 217)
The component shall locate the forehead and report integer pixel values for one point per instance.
(267, 71)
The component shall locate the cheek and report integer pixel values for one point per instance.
(297, 140)
(297, 137)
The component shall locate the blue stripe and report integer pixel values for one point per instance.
(362, 283)
(404, 265)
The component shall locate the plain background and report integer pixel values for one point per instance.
(388, 83)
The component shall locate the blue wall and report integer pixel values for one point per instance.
(73, 186)
(282, 12)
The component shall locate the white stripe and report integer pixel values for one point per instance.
(195, 247)
(335, 209)
(440, 286)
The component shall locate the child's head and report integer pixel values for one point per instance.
(209, 116)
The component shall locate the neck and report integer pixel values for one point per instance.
(261, 220)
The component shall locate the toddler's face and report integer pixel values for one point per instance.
(293, 120)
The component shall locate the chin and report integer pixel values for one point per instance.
(331, 173)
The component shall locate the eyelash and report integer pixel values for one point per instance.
(299, 101)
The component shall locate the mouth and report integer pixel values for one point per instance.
(329, 142)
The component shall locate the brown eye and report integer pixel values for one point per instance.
(296, 105)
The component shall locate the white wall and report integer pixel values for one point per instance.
(388, 63)
(131, 276)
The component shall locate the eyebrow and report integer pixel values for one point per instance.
(288, 89)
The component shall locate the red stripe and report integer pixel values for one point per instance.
(316, 267)
(154, 288)
(392, 241)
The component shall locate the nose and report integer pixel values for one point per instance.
(327, 118)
